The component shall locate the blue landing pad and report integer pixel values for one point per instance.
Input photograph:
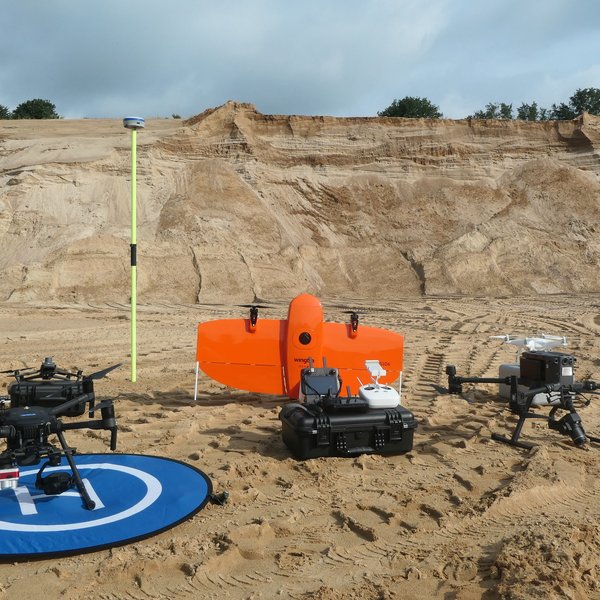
(136, 497)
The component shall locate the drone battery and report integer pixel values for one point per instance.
(506, 370)
(47, 394)
(309, 432)
(9, 478)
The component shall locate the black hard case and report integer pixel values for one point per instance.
(310, 432)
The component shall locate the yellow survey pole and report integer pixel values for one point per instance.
(133, 123)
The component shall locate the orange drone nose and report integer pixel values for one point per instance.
(304, 339)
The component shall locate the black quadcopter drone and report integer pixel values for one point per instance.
(545, 379)
(38, 399)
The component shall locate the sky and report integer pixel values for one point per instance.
(156, 58)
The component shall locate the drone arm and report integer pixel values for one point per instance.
(19, 376)
(455, 381)
(63, 373)
(545, 389)
(588, 386)
(110, 422)
(97, 424)
(107, 422)
(483, 379)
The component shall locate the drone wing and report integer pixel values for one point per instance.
(258, 360)
(232, 354)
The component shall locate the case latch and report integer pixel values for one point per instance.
(323, 430)
(394, 419)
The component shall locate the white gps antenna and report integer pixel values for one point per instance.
(133, 123)
(375, 370)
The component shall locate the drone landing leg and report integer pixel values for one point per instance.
(89, 503)
(514, 439)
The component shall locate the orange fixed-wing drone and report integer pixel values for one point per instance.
(268, 355)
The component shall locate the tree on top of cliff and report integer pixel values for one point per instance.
(562, 112)
(412, 108)
(587, 99)
(583, 100)
(532, 112)
(35, 109)
(494, 110)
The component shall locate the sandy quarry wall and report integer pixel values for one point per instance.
(235, 205)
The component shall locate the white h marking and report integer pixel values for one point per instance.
(27, 501)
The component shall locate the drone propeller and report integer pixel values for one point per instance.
(253, 313)
(556, 338)
(258, 304)
(12, 371)
(505, 338)
(254, 305)
(102, 373)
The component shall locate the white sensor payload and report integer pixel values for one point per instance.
(133, 123)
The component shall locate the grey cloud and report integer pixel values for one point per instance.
(113, 57)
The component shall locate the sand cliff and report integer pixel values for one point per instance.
(235, 205)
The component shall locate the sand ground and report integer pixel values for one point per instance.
(458, 517)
